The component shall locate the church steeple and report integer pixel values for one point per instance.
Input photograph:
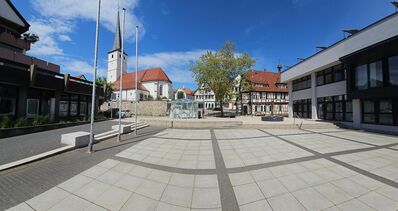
(118, 37)
(115, 56)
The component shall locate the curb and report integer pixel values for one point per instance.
(35, 157)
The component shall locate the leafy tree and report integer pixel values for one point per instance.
(218, 70)
(32, 38)
(107, 87)
(180, 95)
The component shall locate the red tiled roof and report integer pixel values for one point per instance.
(185, 90)
(81, 77)
(265, 77)
(153, 74)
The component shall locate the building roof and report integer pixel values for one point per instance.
(147, 75)
(117, 44)
(11, 17)
(81, 77)
(348, 44)
(269, 79)
(185, 90)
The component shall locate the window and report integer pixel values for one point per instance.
(393, 70)
(369, 115)
(376, 74)
(32, 107)
(160, 90)
(63, 108)
(380, 111)
(385, 112)
(361, 79)
(83, 109)
(302, 108)
(335, 108)
(302, 83)
(7, 106)
(331, 75)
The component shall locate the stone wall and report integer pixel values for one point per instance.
(144, 108)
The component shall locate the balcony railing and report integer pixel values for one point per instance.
(16, 42)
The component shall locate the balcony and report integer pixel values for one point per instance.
(13, 41)
(21, 58)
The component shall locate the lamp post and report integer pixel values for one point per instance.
(90, 144)
(119, 135)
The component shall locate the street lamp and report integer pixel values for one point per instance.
(119, 135)
(90, 144)
(136, 78)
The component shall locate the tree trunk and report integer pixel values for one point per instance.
(221, 108)
(236, 104)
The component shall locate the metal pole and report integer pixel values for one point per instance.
(90, 144)
(119, 136)
(136, 78)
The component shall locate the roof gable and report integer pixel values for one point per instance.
(9, 13)
(265, 77)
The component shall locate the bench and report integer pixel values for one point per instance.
(124, 128)
(76, 139)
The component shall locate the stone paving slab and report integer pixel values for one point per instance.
(135, 180)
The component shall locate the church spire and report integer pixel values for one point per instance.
(118, 36)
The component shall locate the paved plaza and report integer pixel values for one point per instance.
(237, 169)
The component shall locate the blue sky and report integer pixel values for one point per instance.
(174, 33)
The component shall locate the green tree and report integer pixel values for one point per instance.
(218, 70)
(107, 87)
(180, 95)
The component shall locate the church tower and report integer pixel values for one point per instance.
(115, 56)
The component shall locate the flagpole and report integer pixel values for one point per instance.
(90, 144)
(119, 136)
(136, 77)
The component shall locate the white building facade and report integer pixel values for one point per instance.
(354, 81)
(206, 96)
(152, 83)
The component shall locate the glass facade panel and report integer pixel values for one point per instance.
(376, 74)
(368, 106)
(32, 109)
(393, 70)
(7, 106)
(361, 79)
(63, 108)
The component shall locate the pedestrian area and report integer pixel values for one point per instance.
(238, 169)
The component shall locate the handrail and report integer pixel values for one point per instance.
(294, 120)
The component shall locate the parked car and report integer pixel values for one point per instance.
(125, 113)
(111, 113)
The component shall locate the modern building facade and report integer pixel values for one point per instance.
(29, 86)
(354, 81)
(266, 94)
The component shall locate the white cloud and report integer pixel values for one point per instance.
(78, 67)
(72, 10)
(64, 37)
(48, 30)
(176, 64)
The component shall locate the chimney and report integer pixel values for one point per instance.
(279, 68)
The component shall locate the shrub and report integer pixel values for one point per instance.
(5, 122)
(99, 116)
(40, 120)
(21, 122)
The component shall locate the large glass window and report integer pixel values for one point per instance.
(369, 115)
(393, 70)
(302, 108)
(386, 112)
(330, 75)
(83, 109)
(7, 106)
(335, 108)
(376, 74)
(32, 107)
(302, 83)
(361, 78)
